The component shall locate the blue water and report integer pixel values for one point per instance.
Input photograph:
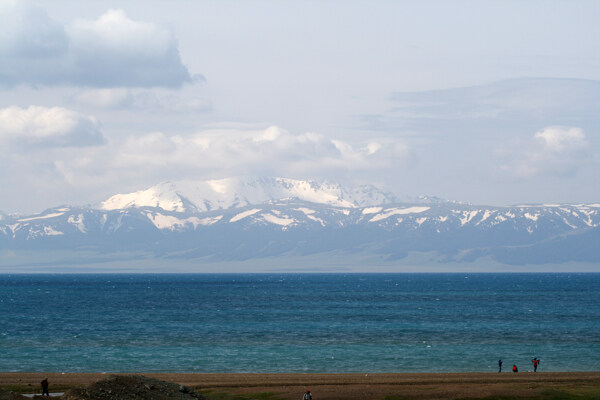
(299, 323)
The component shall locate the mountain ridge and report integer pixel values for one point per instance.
(240, 229)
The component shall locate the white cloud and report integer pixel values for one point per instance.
(151, 101)
(28, 32)
(104, 98)
(47, 127)
(148, 101)
(144, 160)
(561, 140)
(115, 50)
(555, 150)
(113, 32)
(273, 150)
(111, 51)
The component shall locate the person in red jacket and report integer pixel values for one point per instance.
(515, 369)
(535, 362)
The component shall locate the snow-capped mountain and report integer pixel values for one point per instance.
(275, 218)
(228, 193)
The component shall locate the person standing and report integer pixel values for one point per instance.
(44, 384)
(515, 369)
(499, 365)
(535, 362)
(307, 396)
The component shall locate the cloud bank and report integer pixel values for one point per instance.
(47, 127)
(530, 102)
(126, 164)
(147, 101)
(273, 151)
(553, 151)
(111, 51)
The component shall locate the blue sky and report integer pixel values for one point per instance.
(491, 102)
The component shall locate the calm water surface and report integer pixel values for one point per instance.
(299, 323)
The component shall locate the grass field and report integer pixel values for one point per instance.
(464, 386)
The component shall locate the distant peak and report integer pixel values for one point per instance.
(182, 196)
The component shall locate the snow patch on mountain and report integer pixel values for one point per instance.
(285, 221)
(13, 228)
(533, 217)
(316, 219)
(210, 220)
(164, 195)
(170, 222)
(566, 221)
(244, 214)
(45, 231)
(398, 211)
(306, 211)
(41, 217)
(468, 216)
(77, 221)
(486, 215)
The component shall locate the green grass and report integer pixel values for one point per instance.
(19, 388)
(585, 393)
(549, 394)
(571, 393)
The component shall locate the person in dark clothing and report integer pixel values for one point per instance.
(515, 369)
(44, 384)
(535, 362)
(499, 365)
(307, 396)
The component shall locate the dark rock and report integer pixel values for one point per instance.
(132, 386)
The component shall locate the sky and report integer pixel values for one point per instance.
(486, 102)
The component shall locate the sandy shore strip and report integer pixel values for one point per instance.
(347, 386)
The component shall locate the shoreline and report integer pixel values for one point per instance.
(346, 385)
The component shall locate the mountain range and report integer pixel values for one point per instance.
(253, 222)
